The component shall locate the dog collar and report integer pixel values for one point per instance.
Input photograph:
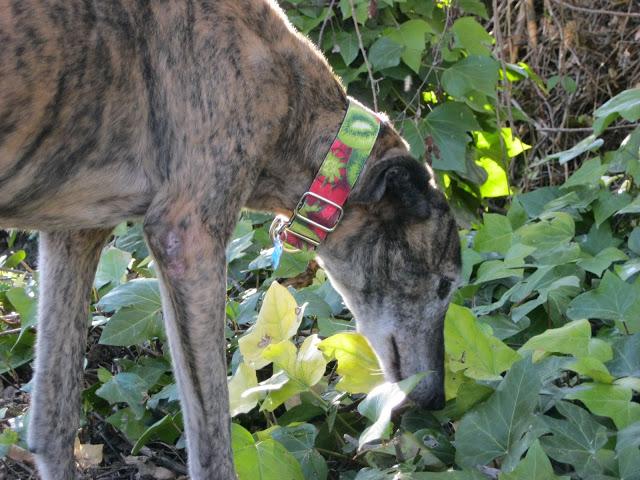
(320, 208)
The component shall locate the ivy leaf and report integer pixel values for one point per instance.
(300, 440)
(263, 460)
(475, 7)
(305, 367)
(139, 313)
(278, 320)
(473, 74)
(411, 34)
(626, 104)
(557, 228)
(588, 174)
(602, 260)
(613, 401)
(112, 267)
(614, 299)
(125, 388)
(239, 400)
(348, 45)
(385, 53)
(626, 356)
(609, 203)
(379, 405)
(591, 367)
(494, 428)
(495, 235)
(571, 339)
(357, 363)
(448, 125)
(575, 440)
(535, 466)
(589, 144)
(472, 36)
(480, 355)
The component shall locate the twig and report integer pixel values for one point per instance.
(364, 55)
(324, 23)
(11, 331)
(585, 129)
(597, 10)
(164, 461)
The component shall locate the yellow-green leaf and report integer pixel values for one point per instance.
(357, 363)
(571, 339)
(613, 401)
(239, 400)
(481, 355)
(278, 320)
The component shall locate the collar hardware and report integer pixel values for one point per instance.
(321, 207)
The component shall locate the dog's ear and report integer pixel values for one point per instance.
(402, 181)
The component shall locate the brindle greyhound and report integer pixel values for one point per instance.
(183, 112)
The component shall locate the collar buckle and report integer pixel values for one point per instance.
(298, 214)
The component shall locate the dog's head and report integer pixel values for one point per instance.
(395, 259)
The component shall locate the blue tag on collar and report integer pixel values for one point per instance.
(277, 252)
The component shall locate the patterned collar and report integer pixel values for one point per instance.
(320, 209)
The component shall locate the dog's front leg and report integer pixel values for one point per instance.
(191, 261)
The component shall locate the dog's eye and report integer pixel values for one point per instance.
(443, 288)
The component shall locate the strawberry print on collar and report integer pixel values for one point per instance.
(320, 208)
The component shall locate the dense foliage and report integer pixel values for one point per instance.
(542, 340)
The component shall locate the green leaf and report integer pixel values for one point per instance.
(613, 401)
(165, 430)
(557, 228)
(300, 440)
(614, 299)
(626, 104)
(348, 45)
(448, 125)
(626, 356)
(263, 460)
(588, 174)
(133, 325)
(411, 34)
(125, 388)
(472, 36)
(412, 134)
(575, 440)
(278, 320)
(494, 428)
(475, 7)
(589, 144)
(480, 355)
(379, 405)
(27, 307)
(385, 53)
(497, 183)
(473, 74)
(357, 363)
(535, 466)
(139, 313)
(602, 260)
(495, 235)
(633, 207)
(112, 267)
(609, 203)
(571, 339)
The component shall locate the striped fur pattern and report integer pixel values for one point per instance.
(181, 113)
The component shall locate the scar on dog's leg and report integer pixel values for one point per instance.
(67, 265)
(192, 268)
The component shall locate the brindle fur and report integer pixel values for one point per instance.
(183, 112)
